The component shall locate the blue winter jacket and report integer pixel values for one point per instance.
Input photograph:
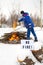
(27, 20)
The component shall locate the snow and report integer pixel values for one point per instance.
(20, 29)
(5, 30)
(8, 30)
(10, 52)
(37, 45)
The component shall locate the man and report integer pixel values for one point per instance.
(28, 24)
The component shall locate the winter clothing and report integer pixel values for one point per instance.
(27, 20)
(33, 32)
(28, 24)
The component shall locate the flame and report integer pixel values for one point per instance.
(14, 37)
(14, 24)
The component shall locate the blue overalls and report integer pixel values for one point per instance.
(29, 25)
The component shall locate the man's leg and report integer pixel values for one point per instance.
(33, 32)
(28, 33)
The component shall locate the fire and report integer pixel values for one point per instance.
(14, 24)
(14, 37)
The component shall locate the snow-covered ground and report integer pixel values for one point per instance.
(10, 52)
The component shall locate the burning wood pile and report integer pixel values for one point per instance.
(26, 61)
(13, 37)
(39, 55)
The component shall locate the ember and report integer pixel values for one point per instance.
(14, 37)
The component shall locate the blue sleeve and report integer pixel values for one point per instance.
(22, 19)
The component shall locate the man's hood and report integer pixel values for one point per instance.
(25, 14)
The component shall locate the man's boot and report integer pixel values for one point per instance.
(36, 39)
